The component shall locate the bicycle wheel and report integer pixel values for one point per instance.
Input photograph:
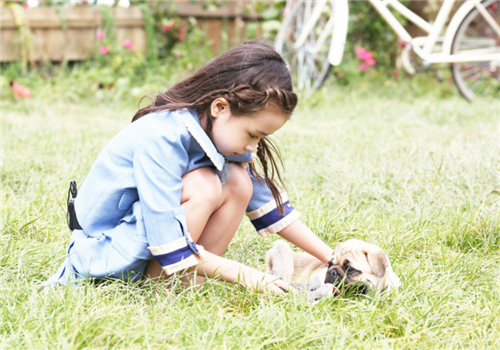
(476, 34)
(308, 62)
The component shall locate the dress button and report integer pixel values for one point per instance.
(288, 205)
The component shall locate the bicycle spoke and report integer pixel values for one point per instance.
(478, 34)
(303, 46)
(480, 81)
(471, 71)
(324, 34)
(485, 84)
(487, 16)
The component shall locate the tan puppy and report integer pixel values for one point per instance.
(354, 264)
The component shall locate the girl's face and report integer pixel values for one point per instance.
(236, 135)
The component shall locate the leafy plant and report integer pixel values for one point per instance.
(149, 28)
(25, 39)
(369, 30)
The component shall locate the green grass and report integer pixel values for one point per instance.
(405, 165)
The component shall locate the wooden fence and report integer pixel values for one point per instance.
(225, 27)
(77, 41)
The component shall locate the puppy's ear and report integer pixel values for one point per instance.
(377, 260)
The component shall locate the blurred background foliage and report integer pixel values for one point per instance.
(175, 47)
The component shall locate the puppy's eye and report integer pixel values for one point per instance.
(349, 269)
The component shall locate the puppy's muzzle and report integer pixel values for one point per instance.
(340, 279)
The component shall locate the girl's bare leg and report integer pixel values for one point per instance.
(222, 225)
(213, 212)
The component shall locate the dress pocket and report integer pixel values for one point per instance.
(129, 197)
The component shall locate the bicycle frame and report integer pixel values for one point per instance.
(468, 43)
(425, 47)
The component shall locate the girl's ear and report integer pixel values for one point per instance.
(218, 106)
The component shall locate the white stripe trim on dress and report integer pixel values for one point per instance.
(170, 247)
(198, 138)
(266, 208)
(280, 225)
(181, 265)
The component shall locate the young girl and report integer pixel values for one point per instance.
(169, 191)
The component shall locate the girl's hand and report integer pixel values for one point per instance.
(274, 285)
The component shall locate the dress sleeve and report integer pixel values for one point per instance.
(158, 168)
(263, 212)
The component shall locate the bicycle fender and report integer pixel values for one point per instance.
(339, 34)
(457, 18)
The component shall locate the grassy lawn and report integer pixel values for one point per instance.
(412, 171)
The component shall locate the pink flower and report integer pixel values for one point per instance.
(340, 74)
(167, 27)
(104, 50)
(25, 4)
(100, 35)
(395, 74)
(363, 67)
(360, 51)
(365, 56)
(127, 44)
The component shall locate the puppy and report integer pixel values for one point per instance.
(355, 266)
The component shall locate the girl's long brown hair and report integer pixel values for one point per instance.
(251, 76)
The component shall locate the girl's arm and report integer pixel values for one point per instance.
(264, 216)
(232, 271)
(227, 270)
(300, 235)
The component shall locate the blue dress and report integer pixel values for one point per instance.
(129, 204)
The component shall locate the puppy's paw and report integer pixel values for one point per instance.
(314, 283)
(300, 287)
(325, 291)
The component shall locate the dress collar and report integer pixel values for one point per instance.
(192, 123)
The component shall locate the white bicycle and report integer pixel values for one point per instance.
(313, 35)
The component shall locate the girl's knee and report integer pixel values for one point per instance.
(202, 185)
(239, 184)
